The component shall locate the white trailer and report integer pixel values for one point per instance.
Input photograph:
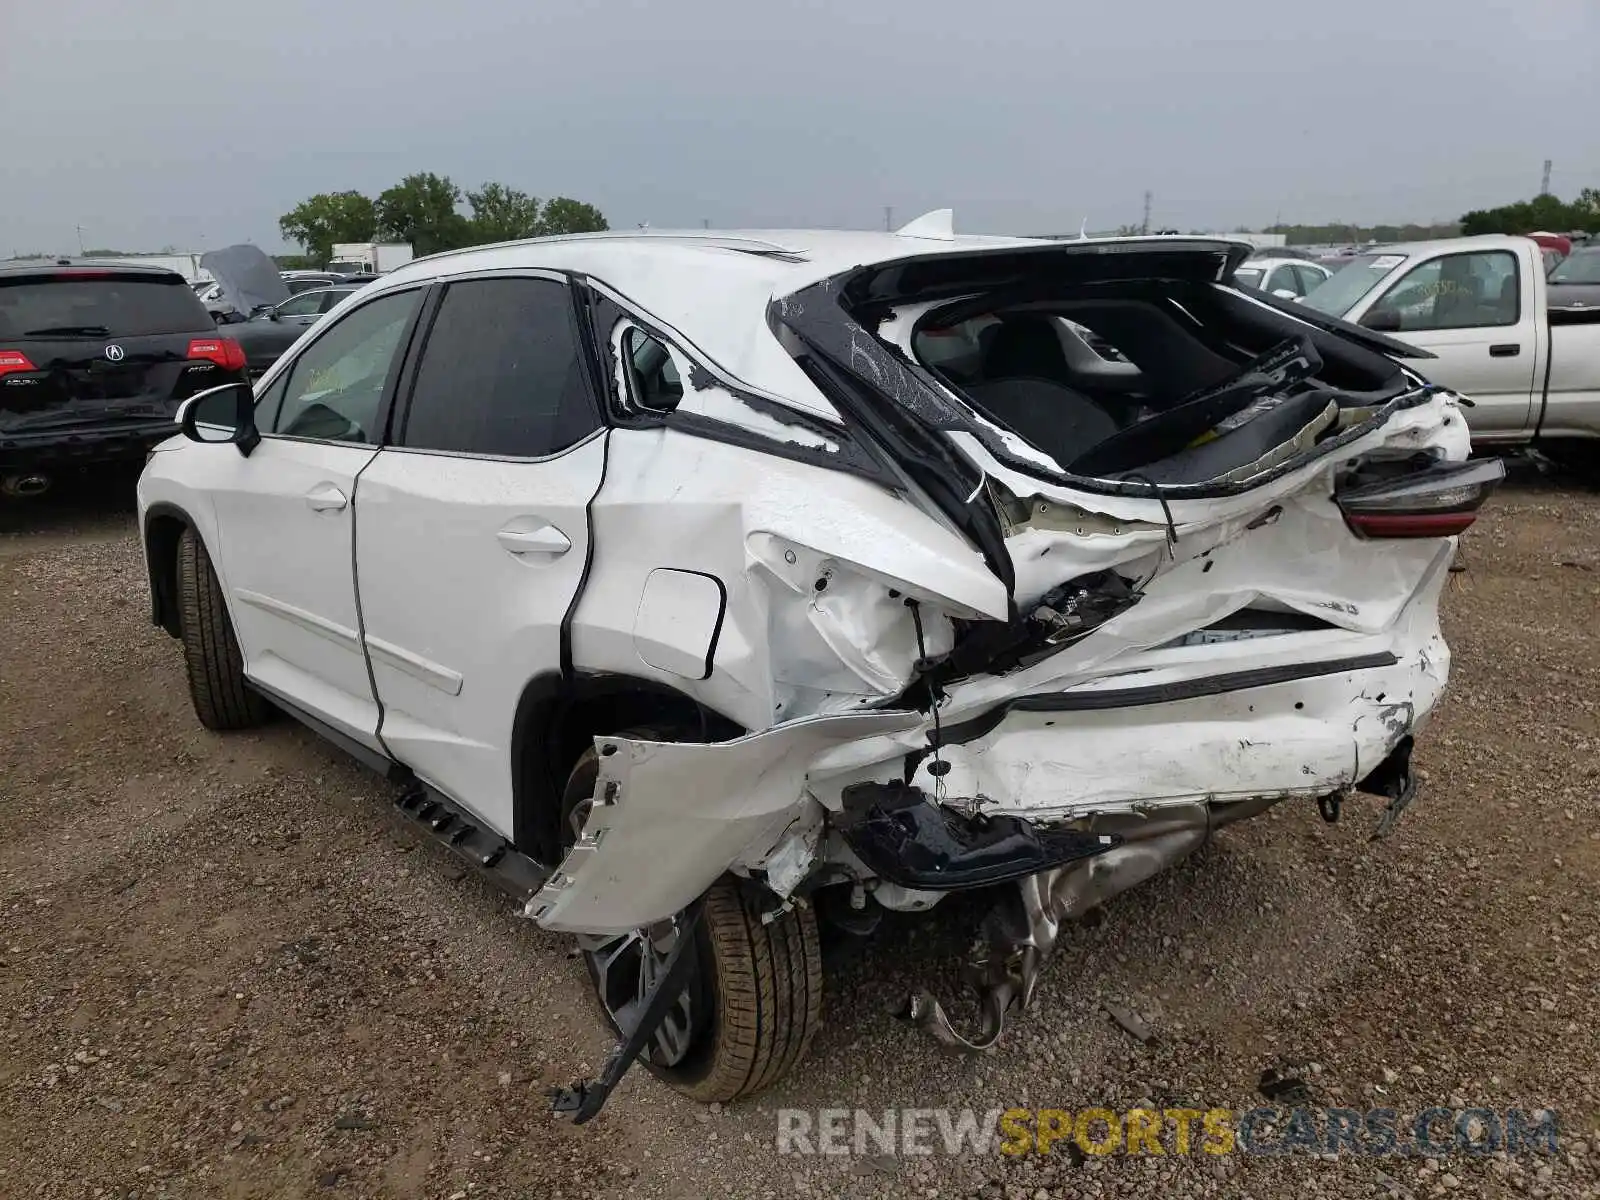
(375, 258)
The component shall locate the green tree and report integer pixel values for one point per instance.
(329, 217)
(1545, 212)
(421, 210)
(563, 215)
(502, 214)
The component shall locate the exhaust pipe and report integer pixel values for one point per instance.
(24, 485)
(1023, 929)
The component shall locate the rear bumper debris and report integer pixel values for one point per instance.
(908, 840)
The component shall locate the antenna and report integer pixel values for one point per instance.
(1145, 226)
(1544, 186)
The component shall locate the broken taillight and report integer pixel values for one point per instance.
(1438, 501)
(225, 352)
(15, 360)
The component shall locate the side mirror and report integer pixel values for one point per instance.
(221, 415)
(1285, 294)
(1382, 320)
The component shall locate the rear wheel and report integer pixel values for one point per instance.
(210, 651)
(755, 1000)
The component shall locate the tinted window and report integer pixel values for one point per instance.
(269, 402)
(109, 306)
(1456, 291)
(501, 373)
(336, 385)
(656, 384)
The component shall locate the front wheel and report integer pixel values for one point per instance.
(754, 1003)
(210, 651)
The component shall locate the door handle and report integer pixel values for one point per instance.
(326, 498)
(1505, 350)
(544, 539)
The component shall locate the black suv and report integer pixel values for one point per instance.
(94, 361)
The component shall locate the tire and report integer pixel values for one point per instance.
(217, 687)
(757, 990)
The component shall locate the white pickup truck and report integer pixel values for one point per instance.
(1479, 305)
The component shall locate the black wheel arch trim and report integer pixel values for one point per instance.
(162, 578)
(544, 745)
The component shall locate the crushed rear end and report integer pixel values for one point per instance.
(1222, 530)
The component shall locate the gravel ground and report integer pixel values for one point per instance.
(228, 970)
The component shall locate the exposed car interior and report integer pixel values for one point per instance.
(1122, 383)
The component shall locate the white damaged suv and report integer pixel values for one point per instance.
(700, 587)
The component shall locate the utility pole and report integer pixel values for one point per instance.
(1145, 226)
(705, 222)
(888, 217)
(80, 240)
(1544, 186)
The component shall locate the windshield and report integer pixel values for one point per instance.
(1248, 277)
(1342, 290)
(1582, 267)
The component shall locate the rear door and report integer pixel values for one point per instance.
(286, 518)
(1475, 310)
(82, 347)
(472, 530)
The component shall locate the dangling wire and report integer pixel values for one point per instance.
(1166, 510)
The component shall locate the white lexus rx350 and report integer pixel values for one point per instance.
(700, 587)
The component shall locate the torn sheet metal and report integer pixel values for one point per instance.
(1305, 737)
(692, 807)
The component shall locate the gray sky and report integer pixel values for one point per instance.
(196, 124)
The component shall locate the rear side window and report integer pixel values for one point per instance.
(108, 305)
(501, 373)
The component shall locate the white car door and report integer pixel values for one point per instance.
(472, 530)
(286, 521)
(1473, 310)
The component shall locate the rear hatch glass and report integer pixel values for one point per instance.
(112, 305)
